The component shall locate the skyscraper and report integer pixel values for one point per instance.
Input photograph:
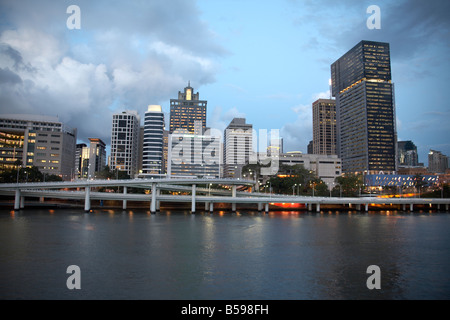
(237, 147)
(79, 159)
(407, 154)
(152, 156)
(93, 158)
(194, 154)
(365, 111)
(125, 142)
(437, 162)
(187, 109)
(324, 126)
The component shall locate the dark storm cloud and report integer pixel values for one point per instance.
(127, 55)
(9, 77)
(410, 26)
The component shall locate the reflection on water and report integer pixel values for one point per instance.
(176, 255)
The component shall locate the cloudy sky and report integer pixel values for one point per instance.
(263, 60)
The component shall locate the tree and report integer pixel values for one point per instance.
(291, 178)
(350, 184)
(28, 174)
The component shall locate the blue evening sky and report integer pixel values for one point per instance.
(263, 60)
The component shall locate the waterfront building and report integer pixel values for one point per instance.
(437, 162)
(197, 155)
(78, 159)
(407, 154)
(310, 148)
(187, 109)
(237, 146)
(165, 150)
(365, 111)
(399, 180)
(324, 126)
(153, 143)
(325, 167)
(93, 158)
(275, 147)
(40, 141)
(125, 142)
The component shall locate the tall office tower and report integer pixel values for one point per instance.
(40, 141)
(310, 148)
(324, 126)
(237, 147)
(165, 149)
(93, 158)
(365, 111)
(407, 154)
(140, 149)
(187, 109)
(194, 154)
(275, 147)
(437, 162)
(79, 159)
(152, 156)
(125, 142)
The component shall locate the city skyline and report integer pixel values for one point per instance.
(264, 56)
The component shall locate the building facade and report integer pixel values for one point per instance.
(40, 141)
(407, 154)
(153, 143)
(237, 146)
(79, 159)
(326, 167)
(125, 142)
(324, 126)
(437, 162)
(192, 155)
(365, 111)
(187, 109)
(93, 158)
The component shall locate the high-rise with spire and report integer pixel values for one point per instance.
(187, 109)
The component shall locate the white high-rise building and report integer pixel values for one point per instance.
(152, 155)
(237, 147)
(125, 142)
(194, 154)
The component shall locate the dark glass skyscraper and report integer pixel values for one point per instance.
(365, 110)
(187, 109)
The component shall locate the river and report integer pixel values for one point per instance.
(133, 254)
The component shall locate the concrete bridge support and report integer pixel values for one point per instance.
(158, 203)
(260, 206)
(87, 199)
(266, 208)
(366, 207)
(17, 200)
(411, 207)
(233, 194)
(153, 201)
(193, 198)
(317, 207)
(211, 207)
(124, 203)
